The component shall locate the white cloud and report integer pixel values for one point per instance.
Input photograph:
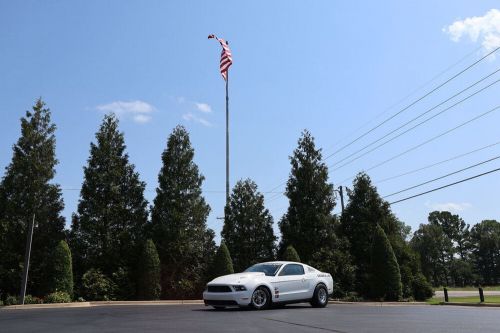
(484, 28)
(139, 111)
(203, 107)
(142, 118)
(192, 117)
(449, 206)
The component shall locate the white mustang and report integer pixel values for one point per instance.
(275, 282)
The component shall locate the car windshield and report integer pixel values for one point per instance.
(268, 269)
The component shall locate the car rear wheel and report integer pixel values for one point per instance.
(320, 297)
(261, 298)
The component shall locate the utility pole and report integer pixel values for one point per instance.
(341, 191)
(27, 255)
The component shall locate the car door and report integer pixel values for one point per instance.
(290, 284)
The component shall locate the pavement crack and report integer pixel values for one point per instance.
(305, 325)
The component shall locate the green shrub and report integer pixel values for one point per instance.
(11, 300)
(60, 275)
(222, 263)
(28, 299)
(291, 254)
(96, 286)
(148, 286)
(385, 277)
(422, 289)
(58, 297)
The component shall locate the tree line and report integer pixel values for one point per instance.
(121, 247)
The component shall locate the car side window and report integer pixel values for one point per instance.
(292, 269)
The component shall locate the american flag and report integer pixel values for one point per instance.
(226, 59)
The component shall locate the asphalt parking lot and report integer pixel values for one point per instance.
(293, 318)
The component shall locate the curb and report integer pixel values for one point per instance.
(47, 306)
(99, 303)
(381, 303)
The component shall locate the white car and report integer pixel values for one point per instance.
(275, 282)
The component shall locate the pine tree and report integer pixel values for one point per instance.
(385, 278)
(306, 224)
(61, 270)
(108, 229)
(148, 287)
(248, 227)
(178, 217)
(290, 254)
(26, 190)
(365, 210)
(222, 263)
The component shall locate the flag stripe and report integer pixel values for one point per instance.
(226, 58)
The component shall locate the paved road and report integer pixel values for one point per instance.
(293, 318)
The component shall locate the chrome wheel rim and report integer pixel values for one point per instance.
(259, 298)
(322, 296)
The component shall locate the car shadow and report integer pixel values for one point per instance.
(243, 309)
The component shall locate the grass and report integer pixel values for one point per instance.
(468, 299)
(489, 288)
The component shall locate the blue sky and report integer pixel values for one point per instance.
(326, 66)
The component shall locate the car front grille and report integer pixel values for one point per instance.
(219, 289)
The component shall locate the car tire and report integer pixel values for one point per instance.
(320, 297)
(261, 298)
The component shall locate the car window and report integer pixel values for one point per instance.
(268, 269)
(292, 269)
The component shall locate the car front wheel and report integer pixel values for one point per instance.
(320, 297)
(261, 298)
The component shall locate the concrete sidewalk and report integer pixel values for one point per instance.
(100, 303)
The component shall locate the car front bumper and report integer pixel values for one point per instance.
(235, 298)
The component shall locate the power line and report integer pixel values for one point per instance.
(445, 186)
(421, 115)
(425, 84)
(436, 163)
(412, 103)
(444, 176)
(405, 108)
(413, 127)
(428, 141)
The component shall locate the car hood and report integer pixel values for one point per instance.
(239, 278)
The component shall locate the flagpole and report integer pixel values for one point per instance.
(227, 138)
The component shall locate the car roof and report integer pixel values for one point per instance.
(282, 262)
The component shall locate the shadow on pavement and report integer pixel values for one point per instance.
(243, 309)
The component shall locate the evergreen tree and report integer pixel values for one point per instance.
(108, 229)
(290, 254)
(336, 260)
(149, 273)
(61, 270)
(248, 227)
(26, 190)
(365, 210)
(306, 224)
(385, 278)
(178, 216)
(222, 263)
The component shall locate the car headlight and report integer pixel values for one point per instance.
(239, 288)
